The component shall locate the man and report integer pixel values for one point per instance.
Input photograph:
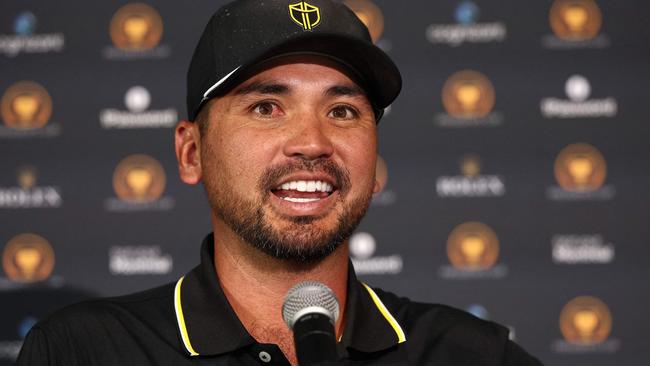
(285, 98)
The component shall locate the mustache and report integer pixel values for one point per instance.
(273, 174)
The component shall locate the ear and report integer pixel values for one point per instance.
(377, 188)
(188, 152)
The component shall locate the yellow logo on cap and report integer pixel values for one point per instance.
(305, 15)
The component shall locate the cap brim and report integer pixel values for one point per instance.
(374, 70)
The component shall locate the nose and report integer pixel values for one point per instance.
(309, 139)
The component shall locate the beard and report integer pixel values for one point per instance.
(299, 239)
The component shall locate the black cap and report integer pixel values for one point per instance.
(243, 33)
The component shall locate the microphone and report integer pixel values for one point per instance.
(311, 309)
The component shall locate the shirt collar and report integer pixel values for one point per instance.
(369, 325)
(208, 325)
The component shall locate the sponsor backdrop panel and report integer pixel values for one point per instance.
(513, 166)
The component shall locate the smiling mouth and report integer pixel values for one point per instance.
(303, 191)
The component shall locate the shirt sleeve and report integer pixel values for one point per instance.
(516, 356)
(35, 350)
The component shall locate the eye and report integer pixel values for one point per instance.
(343, 112)
(266, 109)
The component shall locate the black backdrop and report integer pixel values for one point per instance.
(516, 160)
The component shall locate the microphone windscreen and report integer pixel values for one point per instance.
(306, 297)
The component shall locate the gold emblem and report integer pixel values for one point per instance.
(305, 15)
(27, 177)
(370, 15)
(28, 258)
(468, 94)
(136, 27)
(575, 20)
(470, 165)
(139, 178)
(585, 320)
(26, 105)
(381, 173)
(580, 167)
(472, 246)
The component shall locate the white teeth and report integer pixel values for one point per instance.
(301, 200)
(307, 186)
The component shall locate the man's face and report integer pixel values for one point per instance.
(288, 158)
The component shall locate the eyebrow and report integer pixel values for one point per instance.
(344, 90)
(260, 87)
(274, 87)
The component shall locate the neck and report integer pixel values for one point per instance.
(255, 285)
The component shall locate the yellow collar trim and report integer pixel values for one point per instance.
(181, 319)
(188, 345)
(401, 338)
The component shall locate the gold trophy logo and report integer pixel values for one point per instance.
(28, 258)
(470, 166)
(575, 20)
(27, 177)
(139, 178)
(26, 105)
(473, 246)
(136, 27)
(585, 320)
(370, 15)
(468, 94)
(381, 173)
(580, 167)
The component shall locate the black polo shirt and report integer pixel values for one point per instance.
(190, 322)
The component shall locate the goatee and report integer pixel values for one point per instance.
(301, 239)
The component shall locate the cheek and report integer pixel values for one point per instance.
(220, 161)
(360, 157)
(240, 160)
